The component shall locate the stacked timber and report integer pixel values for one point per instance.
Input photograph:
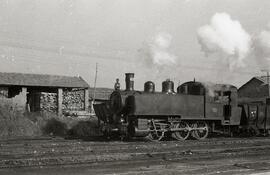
(48, 102)
(73, 100)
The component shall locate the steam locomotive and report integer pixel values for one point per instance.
(195, 110)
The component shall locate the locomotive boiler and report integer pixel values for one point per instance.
(194, 110)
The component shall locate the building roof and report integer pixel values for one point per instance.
(100, 93)
(41, 80)
(262, 79)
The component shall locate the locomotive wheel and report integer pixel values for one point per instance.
(201, 130)
(156, 133)
(184, 133)
(155, 136)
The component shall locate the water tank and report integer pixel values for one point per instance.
(168, 86)
(149, 86)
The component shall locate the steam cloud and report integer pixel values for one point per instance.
(159, 50)
(261, 48)
(226, 36)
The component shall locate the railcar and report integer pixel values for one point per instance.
(255, 116)
(195, 110)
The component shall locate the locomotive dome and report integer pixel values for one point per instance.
(149, 86)
(168, 86)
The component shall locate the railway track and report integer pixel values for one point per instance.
(52, 152)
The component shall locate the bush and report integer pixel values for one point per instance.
(55, 127)
(14, 122)
(84, 129)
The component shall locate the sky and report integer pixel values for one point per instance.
(220, 41)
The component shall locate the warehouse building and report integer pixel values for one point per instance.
(38, 92)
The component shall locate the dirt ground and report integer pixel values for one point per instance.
(211, 156)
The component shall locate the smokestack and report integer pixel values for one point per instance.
(129, 81)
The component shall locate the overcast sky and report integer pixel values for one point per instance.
(155, 39)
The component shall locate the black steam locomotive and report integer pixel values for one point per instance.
(195, 110)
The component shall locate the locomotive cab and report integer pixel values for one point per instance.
(221, 111)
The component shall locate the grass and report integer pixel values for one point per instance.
(15, 123)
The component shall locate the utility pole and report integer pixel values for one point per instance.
(268, 80)
(266, 101)
(94, 95)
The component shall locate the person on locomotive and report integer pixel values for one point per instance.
(117, 84)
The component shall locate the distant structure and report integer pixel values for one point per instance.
(36, 92)
(255, 88)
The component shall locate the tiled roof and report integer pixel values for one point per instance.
(263, 79)
(41, 80)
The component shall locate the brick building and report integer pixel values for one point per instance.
(37, 92)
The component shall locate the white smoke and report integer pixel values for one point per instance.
(226, 36)
(159, 47)
(261, 46)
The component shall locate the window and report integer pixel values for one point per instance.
(217, 96)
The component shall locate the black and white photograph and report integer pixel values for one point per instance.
(134, 87)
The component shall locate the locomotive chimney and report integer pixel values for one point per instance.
(129, 81)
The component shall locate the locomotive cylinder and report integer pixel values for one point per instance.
(149, 86)
(168, 86)
(129, 81)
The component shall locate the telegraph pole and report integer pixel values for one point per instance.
(266, 101)
(268, 80)
(94, 95)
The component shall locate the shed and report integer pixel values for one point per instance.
(254, 97)
(256, 87)
(24, 90)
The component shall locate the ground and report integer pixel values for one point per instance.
(59, 156)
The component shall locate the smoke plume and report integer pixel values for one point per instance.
(226, 36)
(159, 47)
(261, 46)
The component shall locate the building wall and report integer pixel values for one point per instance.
(253, 89)
(18, 102)
(3, 92)
(43, 101)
